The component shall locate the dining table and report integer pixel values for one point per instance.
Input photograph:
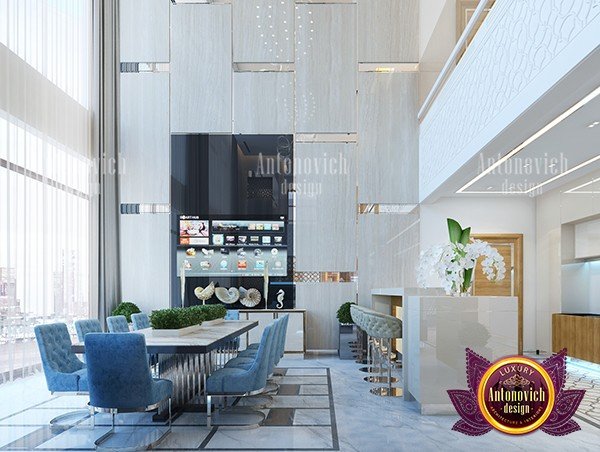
(189, 359)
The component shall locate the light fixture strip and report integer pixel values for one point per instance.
(532, 138)
(573, 190)
(558, 176)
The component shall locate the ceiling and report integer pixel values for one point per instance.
(559, 151)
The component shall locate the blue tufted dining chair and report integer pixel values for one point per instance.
(234, 381)
(140, 321)
(117, 324)
(84, 327)
(120, 379)
(64, 372)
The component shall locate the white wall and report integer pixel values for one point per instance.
(491, 215)
(553, 209)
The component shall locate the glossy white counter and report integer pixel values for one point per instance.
(436, 331)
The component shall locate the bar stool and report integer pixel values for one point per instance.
(383, 328)
(373, 367)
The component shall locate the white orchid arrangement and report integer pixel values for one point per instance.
(455, 262)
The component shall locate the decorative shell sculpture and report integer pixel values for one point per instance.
(227, 296)
(249, 297)
(204, 293)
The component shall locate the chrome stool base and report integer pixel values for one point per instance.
(373, 370)
(380, 379)
(61, 421)
(387, 392)
(271, 387)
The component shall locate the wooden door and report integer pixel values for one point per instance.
(510, 246)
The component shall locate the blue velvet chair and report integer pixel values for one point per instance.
(140, 321)
(117, 324)
(233, 314)
(120, 380)
(234, 381)
(64, 372)
(83, 327)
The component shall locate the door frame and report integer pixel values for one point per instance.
(517, 241)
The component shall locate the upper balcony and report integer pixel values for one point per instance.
(526, 85)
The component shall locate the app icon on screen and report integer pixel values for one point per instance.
(254, 239)
(258, 252)
(217, 239)
(242, 265)
(278, 239)
(275, 226)
(274, 251)
(242, 239)
(267, 226)
(230, 239)
(224, 264)
(259, 265)
(266, 240)
(260, 227)
(241, 252)
(224, 251)
(205, 265)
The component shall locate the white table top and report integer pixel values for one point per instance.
(205, 340)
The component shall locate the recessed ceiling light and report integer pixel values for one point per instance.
(490, 187)
(593, 124)
(534, 137)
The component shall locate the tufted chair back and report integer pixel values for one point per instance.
(381, 325)
(118, 371)
(117, 324)
(356, 314)
(282, 337)
(261, 368)
(84, 327)
(58, 360)
(140, 321)
(232, 314)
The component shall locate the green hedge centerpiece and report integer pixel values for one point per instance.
(126, 308)
(178, 318)
(343, 313)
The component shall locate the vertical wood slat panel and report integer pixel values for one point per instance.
(388, 145)
(388, 31)
(263, 31)
(255, 111)
(326, 67)
(201, 69)
(321, 301)
(325, 178)
(144, 138)
(144, 30)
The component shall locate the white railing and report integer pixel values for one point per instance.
(520, 52)
(453, 58)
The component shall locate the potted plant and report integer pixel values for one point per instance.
(175, 322)
(346, 330)
(126, 308)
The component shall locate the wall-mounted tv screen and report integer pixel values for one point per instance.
(231, 247)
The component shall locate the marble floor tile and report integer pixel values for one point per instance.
(314, 390)
(300, 402)
(312, 417)
(10, 434)
(184, 438)
(273, 438)
(79, 437)
(300, 380)
(41, 417)
(311, 371)
(67, 401)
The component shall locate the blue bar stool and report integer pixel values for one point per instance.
(120, 380)
(117, 324)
